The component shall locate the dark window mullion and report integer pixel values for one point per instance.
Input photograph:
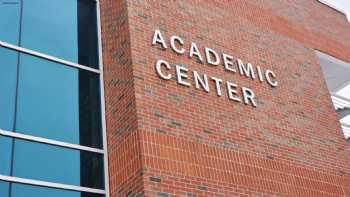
(16, 94)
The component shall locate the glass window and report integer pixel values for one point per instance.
(22, 190)
(53, 101)
(69, 34)
(5, 155)
(58, 102)
(56, 164)
(48, 104)
(4, 188)
(47, 99)
(8, 80)
(87, 31)
(9, 20)
(51, 27)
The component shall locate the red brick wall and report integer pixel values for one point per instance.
(170, 140)
(123, 141)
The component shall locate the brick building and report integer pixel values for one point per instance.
(178, 140)
(199, 98)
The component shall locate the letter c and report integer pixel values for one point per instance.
(174, 39)
(268, 75)
(159, 70)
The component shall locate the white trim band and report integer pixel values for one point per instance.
(344, 99)
(51, 142)
(51, 185)
(47, 57)
(102, 95)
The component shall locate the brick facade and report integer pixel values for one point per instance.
(165, 139)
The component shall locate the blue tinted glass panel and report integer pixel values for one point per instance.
(8, 78)
(21, 190)
(56, 164)
(4, 189)
(48, 103)
(69, 34)
(51, 27)
(9, 20)
(5, 155)
(58, 102)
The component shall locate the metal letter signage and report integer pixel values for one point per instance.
(188, 78)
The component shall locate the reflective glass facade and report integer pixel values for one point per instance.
(80, 168)
(69, 34)
(51, 118)
(20, 189)
(40, 91)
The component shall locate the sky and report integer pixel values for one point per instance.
(340, 4)
(345, 6)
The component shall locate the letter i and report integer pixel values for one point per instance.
(260, 75)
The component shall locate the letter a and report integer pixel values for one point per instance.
(158, 38)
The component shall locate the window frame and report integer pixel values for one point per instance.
(99, 71)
